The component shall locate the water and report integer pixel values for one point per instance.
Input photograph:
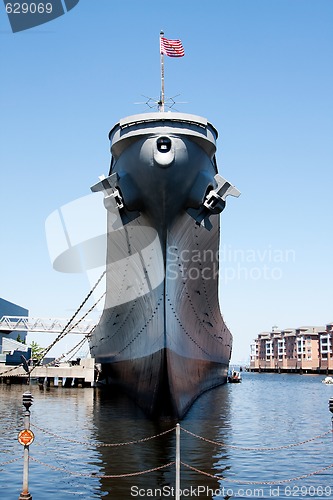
(265, 411)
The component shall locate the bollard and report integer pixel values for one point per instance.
(25, 438)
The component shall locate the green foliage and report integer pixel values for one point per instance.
(36, 351)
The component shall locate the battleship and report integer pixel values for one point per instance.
(161, 337)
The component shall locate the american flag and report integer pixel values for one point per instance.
(172, 48)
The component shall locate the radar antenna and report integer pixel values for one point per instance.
(154, 103)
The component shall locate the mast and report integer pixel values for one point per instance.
(162, 98)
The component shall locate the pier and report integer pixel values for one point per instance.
(299, 370)
(82, 374)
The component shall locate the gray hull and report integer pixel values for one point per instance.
(161, 336)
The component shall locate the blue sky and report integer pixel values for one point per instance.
(259, 70)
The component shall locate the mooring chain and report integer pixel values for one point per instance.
(243, 448)
(57, 360)
(68, 331)
(92, 475)
(64, 332)
(237, 481)
(84, 316)
(10, 370)
(51, 363)
(76, 347)
(48, 364)
(100, 445)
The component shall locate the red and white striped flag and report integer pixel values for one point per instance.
(171, 48)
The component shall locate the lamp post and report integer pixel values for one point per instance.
(25, 438)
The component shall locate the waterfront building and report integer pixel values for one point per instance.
(302, 349)
(12, 343)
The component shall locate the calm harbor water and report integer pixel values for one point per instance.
(76, 428)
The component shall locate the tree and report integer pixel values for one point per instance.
(37, 352)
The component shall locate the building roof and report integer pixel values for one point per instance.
(10, 345)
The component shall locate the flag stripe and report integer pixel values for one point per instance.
(171, 48)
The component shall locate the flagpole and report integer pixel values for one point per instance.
(161, 103)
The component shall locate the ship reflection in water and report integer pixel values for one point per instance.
(128, 423)
(237, 422)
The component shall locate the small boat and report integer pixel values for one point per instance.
(328, 380)
(234, 377)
